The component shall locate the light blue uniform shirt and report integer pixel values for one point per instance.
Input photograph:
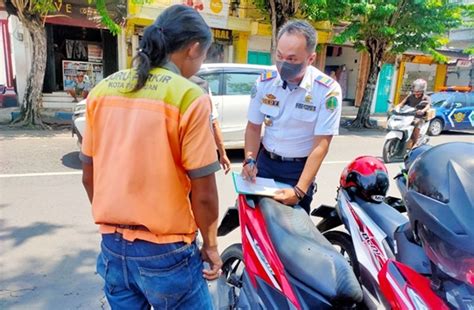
(294, 117)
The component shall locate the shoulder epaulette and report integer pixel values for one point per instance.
(324, 80)
(268, 75)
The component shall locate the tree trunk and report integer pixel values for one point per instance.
(376, 53)
(32, 100)
(273, 16)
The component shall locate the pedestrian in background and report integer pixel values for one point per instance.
(216, 128)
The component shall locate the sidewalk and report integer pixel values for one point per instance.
(349, 113)
(64, 116)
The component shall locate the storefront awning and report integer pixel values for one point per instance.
(80, 13)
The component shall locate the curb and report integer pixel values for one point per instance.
(377, 121)
(7, 115)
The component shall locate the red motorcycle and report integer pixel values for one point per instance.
(283, 262)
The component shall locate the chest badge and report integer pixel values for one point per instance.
(308, 98)
(331, 103)
(270, 100)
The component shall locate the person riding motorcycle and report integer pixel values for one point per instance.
(422, 103)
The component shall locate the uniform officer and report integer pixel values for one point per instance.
(301, 109)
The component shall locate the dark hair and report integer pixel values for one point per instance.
(301, 27)
(175, 28)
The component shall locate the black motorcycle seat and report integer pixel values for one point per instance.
(385, 216)
(307, 255)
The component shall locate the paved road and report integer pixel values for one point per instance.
(47, 239)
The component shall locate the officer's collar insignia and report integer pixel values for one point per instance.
(270, 99)
(324, 80)
(268, 75)
(331, 103)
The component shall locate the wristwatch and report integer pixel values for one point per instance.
(249, 161)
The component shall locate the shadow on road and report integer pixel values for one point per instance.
(22, 234)
(458, 133)
(235, 156)
(65, 282)
(71, 160)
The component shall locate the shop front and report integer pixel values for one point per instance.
(419, 66)
(230, 33)
(77, 43)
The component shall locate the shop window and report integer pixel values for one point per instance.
(240, 83)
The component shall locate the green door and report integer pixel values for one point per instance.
(383, 90)
(259, 58)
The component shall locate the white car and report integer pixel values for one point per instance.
(230, 86)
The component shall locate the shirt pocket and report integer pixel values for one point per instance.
(272, 111)
(304, 112)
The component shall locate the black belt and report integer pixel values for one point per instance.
(281, 158)
(130, 227)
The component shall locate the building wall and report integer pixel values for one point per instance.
(350, 58)
(3, 56)
(260, 43)
(22, 54)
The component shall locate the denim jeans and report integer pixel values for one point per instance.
(141, 274)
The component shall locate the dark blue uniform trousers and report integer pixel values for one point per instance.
(287, 172)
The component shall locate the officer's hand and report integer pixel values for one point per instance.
(212, 257)
(249, 172)
(225, 163)
(286, 196)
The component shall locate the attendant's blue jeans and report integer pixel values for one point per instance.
(141, 274)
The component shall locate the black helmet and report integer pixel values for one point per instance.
(440, 203)
(414, 153)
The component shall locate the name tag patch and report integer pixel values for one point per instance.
(306, 107)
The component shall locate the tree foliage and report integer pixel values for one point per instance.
(389, 26)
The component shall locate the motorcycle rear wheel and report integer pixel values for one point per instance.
(233, 265)
(343, 243)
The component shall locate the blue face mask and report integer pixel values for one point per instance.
(289, 71)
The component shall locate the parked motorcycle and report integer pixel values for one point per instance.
(439, 199)
(400, 126)
(283, 262)
(391, 266)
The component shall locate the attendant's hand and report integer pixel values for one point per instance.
(212, 257)
(287, 196)
(249, 171)
(225, 163)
